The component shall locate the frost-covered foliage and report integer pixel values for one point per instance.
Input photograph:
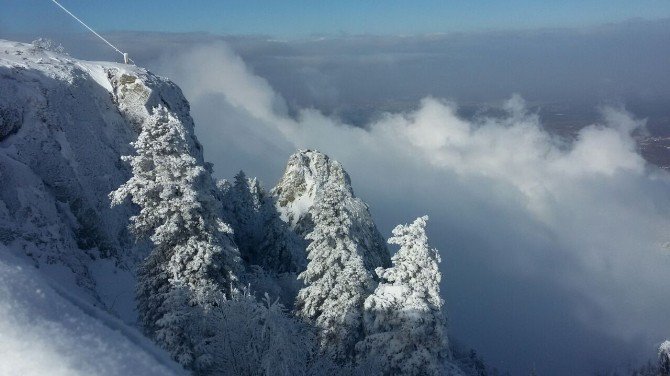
(336, 280)
(280, 249)
(250, 337)
(181, 284)
(64, 123)
(260, 339)
(242, 203)
(404, 322)
(284, 286)
(308, 175)
(262, 237)
(194, 262)
(272, 252)
(659, 368)
(468, 361)
(664, 359)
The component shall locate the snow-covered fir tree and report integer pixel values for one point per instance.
(660, 367)
(263, 238)
(336, 280)
(308, 175)
(405, 327)
(194, 263)
(242, 201)
(664, 359)
(280, 249)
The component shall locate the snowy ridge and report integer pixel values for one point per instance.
(64, 124)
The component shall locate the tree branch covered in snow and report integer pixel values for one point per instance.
(405, 326)
(194, 263)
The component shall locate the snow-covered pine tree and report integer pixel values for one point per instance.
(664, 359)
(280, 250)
(194, 263)
(263, 238)
(308, 175)
(242, 203)
(405, 327)
(336, 281)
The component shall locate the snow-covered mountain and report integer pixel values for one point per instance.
(64, 123)
(68, 261)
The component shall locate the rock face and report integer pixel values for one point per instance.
(271, 228)
(308, 174)
(64, 124)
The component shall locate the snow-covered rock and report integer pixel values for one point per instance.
(302, 186)
(64, 124)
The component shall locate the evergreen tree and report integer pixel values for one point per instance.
(263, 238)
(336, 281)
(194, 263)
(242, 203)
(664, 359)
(404, 322)
(280, 250)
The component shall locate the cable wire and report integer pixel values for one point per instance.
(88, 27)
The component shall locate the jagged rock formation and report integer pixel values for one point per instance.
(271, 229)
(302, 187)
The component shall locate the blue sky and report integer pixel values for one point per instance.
(300, 18)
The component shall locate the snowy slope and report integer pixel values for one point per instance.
(47, 332)
(64, 124)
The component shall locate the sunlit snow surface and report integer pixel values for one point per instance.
(43, 332)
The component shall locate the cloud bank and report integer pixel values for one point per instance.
(554, 250)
